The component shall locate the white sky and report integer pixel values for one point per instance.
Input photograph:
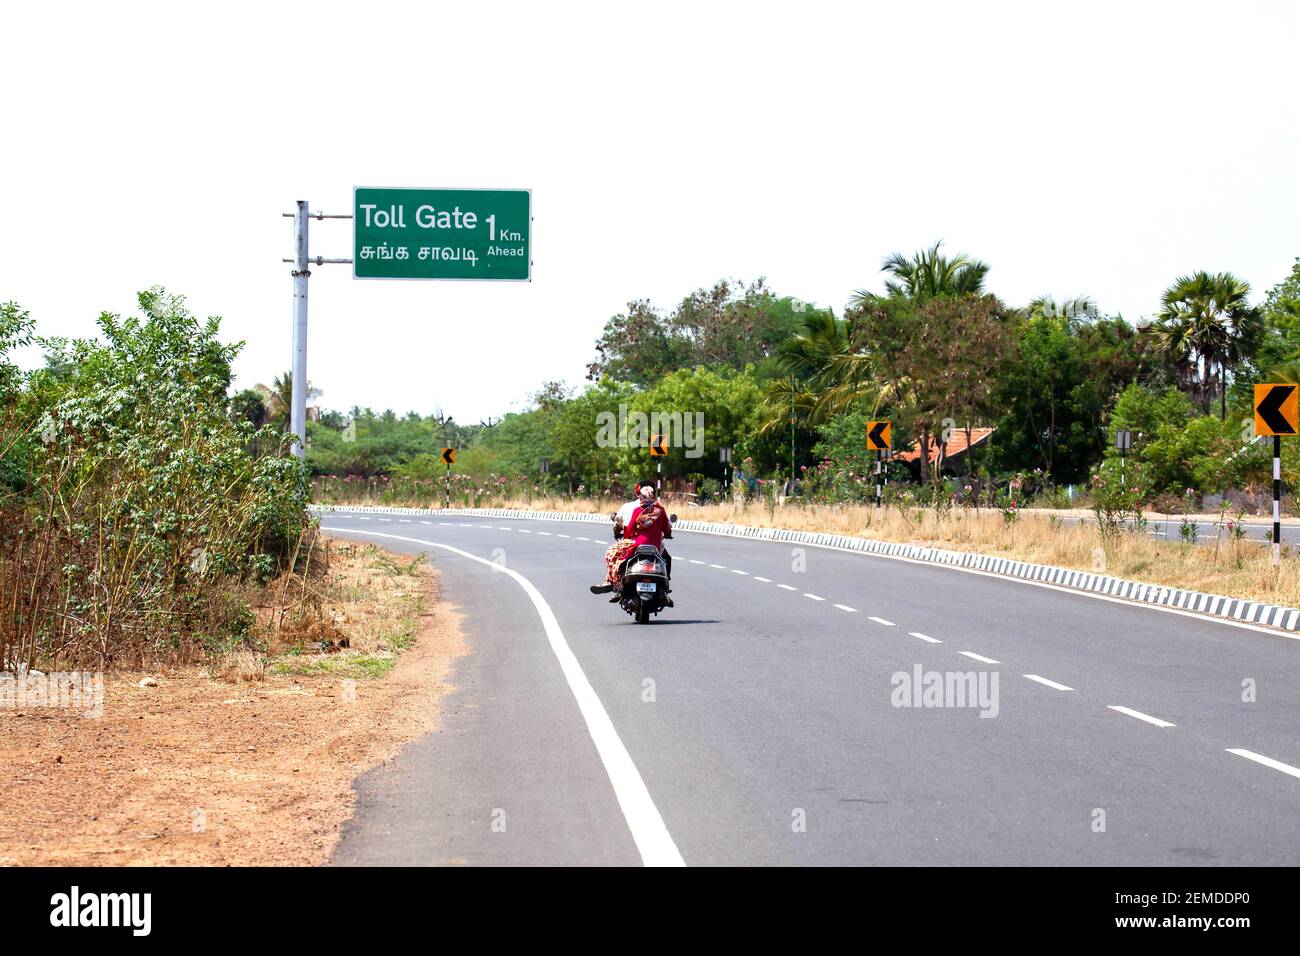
(1096, 149)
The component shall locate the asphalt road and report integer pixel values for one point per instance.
(762, 720)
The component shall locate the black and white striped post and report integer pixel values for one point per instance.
(880, 456)
(1277, 500)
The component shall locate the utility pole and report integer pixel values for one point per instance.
(301, 272)
(298, 400)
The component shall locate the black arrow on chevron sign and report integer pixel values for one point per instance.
(1270, 409)
(659, 446)
(877, 435)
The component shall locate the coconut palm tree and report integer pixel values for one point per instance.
(928, 274)
(1205, 326)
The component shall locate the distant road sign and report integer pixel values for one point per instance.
(878, 435)
(449, 456)
(546, 466)
(724, 454)
(1124, 440)
(659, 446)
(442, 234)
(1277, 410)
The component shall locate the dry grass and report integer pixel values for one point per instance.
(1237, 568)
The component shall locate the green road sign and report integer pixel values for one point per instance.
(442, 234)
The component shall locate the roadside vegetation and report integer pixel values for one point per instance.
(140, 517)
(789, 387)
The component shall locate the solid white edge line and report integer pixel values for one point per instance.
(1266, 761)
(652, 838)
(925, 637)
(1045, 682)
(978, 657)
(881, 621)
(1130, 712)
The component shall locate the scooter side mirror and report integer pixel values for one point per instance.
(672, 519)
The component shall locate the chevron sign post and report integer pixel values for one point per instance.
(1277, 413)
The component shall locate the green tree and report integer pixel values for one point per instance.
(1207, 326)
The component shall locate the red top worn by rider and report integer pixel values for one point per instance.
(652, 529)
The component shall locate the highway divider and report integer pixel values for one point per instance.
(1215, 605)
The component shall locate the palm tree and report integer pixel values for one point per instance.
(1206, 325)
(278, 399)
(929, 274)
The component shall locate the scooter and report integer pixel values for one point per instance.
(644, 589)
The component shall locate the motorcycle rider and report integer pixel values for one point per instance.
(648, 524)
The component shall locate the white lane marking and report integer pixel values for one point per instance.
(978, 657)
(845, 607)
(720, 567)
(1266, 761)
(643, 818)
(693, 561)
(814, 597)
(489, 526)
(925, 637)
(422, 521)
(445, 524)
(1129, 711)
(363, 519)
(734, 571)
(581, 538)
(558, 535)
(881, 620)
(465, 524)
(523, 531)
(547, 533)
(386, 520)
(786, 587)
(403, 520)
(502, 528)
(764, 580)
(1047, 683)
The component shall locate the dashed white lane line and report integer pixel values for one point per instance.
(488, 526)
(503, 528)
(978, 657)
(649, 833)
(558, 535)
(1266, 761)
(523, 531)
(736, 571)
(925, 637)
(814, 597)
(845, 607)
(764, 580)
(362, 519)
(403, 520)
(1047, 683)
(786, 587)
(445, 524)
(581, 538)
(1130, 712)
(693, 561)
(881, 621)
(386, 520)
(720, 567)
(422, 521)
(547, 533)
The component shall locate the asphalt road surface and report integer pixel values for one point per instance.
(765, 719)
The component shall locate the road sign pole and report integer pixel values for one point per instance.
(447, 486)
(1123, 456)
(298, 400)
(880, 457)
(1277, 500)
